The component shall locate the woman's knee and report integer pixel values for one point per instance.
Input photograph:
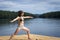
(28, 30)
(17, 30)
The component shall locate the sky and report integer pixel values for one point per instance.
(31, 6)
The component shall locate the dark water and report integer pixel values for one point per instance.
(42, 26)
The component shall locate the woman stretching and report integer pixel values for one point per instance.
(20, 19)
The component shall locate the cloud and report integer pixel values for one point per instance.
(33, 6)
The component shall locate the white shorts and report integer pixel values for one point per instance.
(23, 28)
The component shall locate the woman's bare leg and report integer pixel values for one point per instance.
(17, 30)
(28, 32)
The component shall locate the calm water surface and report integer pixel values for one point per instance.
(42, 26)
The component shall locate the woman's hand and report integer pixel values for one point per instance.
(11, 21)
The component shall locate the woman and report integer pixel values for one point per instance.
(20, 19)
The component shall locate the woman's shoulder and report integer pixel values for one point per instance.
(18, 17)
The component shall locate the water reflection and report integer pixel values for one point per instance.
(40, 26)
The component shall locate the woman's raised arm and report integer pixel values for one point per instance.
(14, 19)
(28, 17)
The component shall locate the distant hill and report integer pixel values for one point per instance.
(12, 14)
(50, 15)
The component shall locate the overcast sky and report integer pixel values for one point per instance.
(32, 6)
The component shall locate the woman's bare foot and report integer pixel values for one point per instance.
(9, 39)
(29, 39)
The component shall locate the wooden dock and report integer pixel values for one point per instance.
(32, 36)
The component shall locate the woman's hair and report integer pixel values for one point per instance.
(20, 12)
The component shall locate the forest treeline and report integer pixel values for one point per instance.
(55, 14)
(12, 14)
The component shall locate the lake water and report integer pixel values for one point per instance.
(41, 26)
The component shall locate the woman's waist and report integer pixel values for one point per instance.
(21, 25)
